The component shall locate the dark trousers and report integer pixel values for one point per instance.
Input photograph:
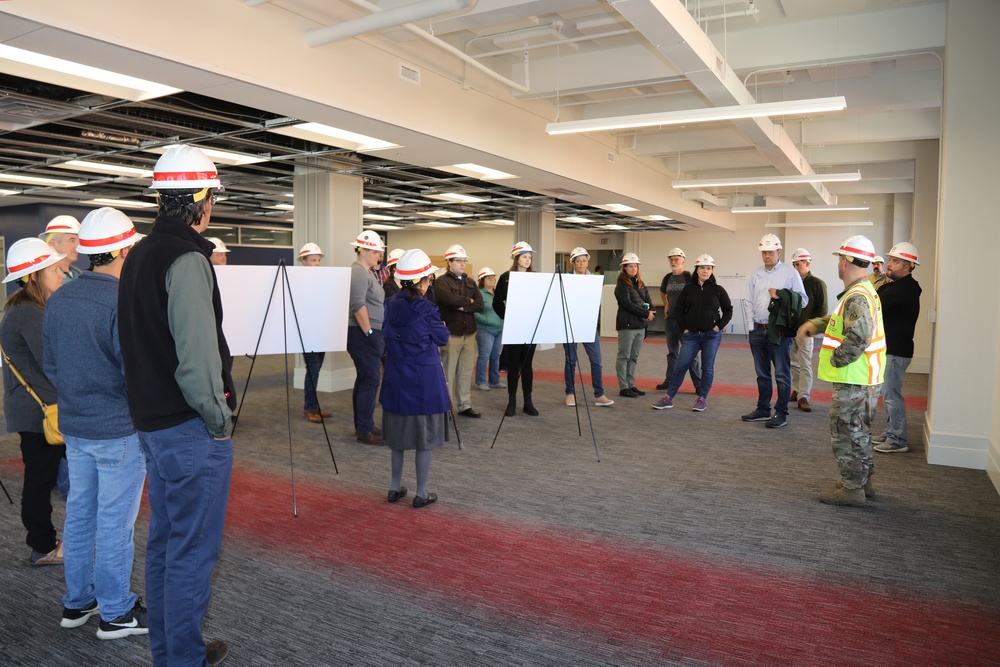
(367, 353)
(41, 467)
(519, 358)
(314, 361)
(765, 356)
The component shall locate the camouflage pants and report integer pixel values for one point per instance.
(851, 412)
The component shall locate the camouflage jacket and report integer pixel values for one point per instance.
(858, 325)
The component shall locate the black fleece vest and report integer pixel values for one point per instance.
(148, 349)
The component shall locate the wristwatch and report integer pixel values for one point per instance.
(369, 332)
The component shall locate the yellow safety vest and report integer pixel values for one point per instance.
(869, 368)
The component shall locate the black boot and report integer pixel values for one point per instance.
(529, 409)
(511, 405)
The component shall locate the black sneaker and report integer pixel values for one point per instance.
(74, 618)
(777, 421)
(663, 386)
(637, 392)
(130, 623)
(757, 415)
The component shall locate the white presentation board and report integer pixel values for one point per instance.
(321, 295)
(527, 321)
(736, 287)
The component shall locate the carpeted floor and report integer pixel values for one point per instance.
(695, 540)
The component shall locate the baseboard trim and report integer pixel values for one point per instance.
(959, 450)
(329, 381)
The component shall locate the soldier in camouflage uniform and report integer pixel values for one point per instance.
(853, 359)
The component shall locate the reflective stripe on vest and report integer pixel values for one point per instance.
(869, 368)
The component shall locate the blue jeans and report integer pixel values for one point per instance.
(766, 355)
(706, 342)
(892, 397)
(106, 478)
(367, 353)
(314, 361)
(488, 345)
(189, 475)
(593, 351)
(672, 332)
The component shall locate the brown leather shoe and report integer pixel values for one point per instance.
(216, 651)
(804, 404)
(794, 396)
(370, 438)
(376, 430)
(314, 416)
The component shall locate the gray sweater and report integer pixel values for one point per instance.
(21, 338)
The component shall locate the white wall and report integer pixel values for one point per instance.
(486, 247)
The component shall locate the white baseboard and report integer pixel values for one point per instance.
(960, 450)
(329, 381)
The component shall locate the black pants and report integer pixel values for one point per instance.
(519, 358)
(41, 467)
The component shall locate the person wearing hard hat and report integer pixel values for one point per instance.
(703, 309)
(61, 233)
(670, 289)
(220, 254)
(489, 331)
(364, 334)
(392, 285)
(635, 312)
(415, 397)
(34, 264)
(311, 255)
(853, 359)
(82, 357)
(459, 299)
(900, 308)
(770, 349)
(519, 356)
(878, 275)
(580, 259)
(801, 352)
(181, 397)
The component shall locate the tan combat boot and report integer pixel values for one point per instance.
(843, 496)
(869, 487)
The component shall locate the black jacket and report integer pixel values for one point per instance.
(633, 305)
(703, 307)
(454, 292)
(900, 310)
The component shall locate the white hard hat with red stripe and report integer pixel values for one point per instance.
(630, 258)
(29, 255)
(859, 247)
(879, 259)
(106, 230)
(185, 167)
(61, 224)
(769, 242)
(801, 255)
(704, 260)
(455, 252)
(676, 252)
(414, 265)
(394, 256)
(220, 245)
(578, 252)
(310, 249)
(485, 272)
(520, 248)
(368, 240)
(905, 251)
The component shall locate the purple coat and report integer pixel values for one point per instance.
(413, 383)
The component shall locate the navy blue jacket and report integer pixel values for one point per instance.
(413, 383)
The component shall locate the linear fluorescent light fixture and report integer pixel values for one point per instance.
(31, 65)
(575, 218)
(796, 209)
(444, 214)
(8, 193)
(864, 223)
(615, 227)
(499, 221)
(106, 169)
(381, 228)
(457, 197)
(767, 180)
(218, 156)
(436, 224)
(683, 117)
(374, 203)
(120, 203)
(477, 171)
(376, 216)
(282, 207)
(658, 218)
(333, 136)
(40, 180)
(619, 208)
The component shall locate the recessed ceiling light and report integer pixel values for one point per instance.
(477, 171)
(7, 193)
(499, 221)
(376, 226)
(457, 196)
(40, 180)
(121, 203)
(616, 227)
(657, 218)
(333, 136)
(376, 216)
(103, 168)
(619, 208)
(575, 218)
(218, 156)
(444, 214)
(436, 224)
(283, 207)
(374, 203)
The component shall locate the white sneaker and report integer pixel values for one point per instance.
(498, 385)
(570, 400)
(603, 401)
(482, 387)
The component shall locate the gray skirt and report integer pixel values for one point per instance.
(419, 432)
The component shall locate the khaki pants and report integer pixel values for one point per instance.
(802, 366)
(459, 360)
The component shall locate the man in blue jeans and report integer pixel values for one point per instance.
(770, 351)
(364, 335)
(82, 358)
(181, 398)
(580, 259)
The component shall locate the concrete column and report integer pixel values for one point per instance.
(923, 233)
(538, 228)
(960, 428)
(328, 212)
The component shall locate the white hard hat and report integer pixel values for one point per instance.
(769, 242)
(578, 252)
(185, 167)
(879, 259)
(61, 224)
(485, 272)
(801, 255)
(455, 252)
(394, 257)
(220, 245)
(414, 265)
(630, 258)
(310, 249)
(857, 246)
(368, 240)
(704, 260)
(676, 252)
(29, 255)
(520, 248)
(905, 251)
(106, 230)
